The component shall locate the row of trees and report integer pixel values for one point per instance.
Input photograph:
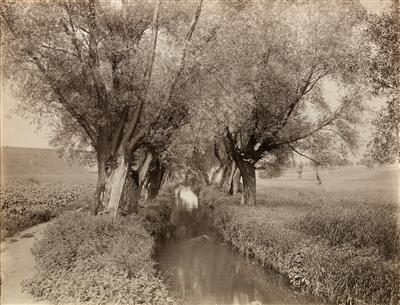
(152, 89)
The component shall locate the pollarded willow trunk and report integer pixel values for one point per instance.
(204, 178)
(154, 179)
(248, 173)
(226, 175)
(235, 182)
(116, 174)
(101, 180)
(131, 194)
(117, 190)
(215, 174)
(119, 186)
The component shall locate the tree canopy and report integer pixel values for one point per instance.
(384, 76)
(223, 85)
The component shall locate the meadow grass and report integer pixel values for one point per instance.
(338, 241)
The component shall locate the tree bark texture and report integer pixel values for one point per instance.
(226, 174)
(248, 172)
(114, 186)
(154, 180)
(235, 182)
(130, 195)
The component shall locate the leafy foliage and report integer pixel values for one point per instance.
(24, 205)
(384, 32)
(384, 145)
(157, 214)
(273, 65)
(87, 260)
(383, 75)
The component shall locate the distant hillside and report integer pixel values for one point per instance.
(17, 161)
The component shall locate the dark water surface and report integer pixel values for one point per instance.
(203, 270)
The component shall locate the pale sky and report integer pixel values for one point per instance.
(17, 131)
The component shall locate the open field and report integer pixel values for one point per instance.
(377, 179)
(36, 165)
(21, 161)
(339, 240)
(26, 204)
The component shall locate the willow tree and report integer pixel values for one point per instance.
(88, 65)
(274, 63)
(383, 74)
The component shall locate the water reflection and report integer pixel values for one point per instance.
(205, 271)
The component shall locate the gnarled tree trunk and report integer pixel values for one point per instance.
(235, 182)
(226, 175)
(111, 185)
(215, 174)
(101, 180)
(248, 173)
(131, 194)
(154, 179)
(117, 189)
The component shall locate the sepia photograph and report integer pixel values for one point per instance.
(200, 152)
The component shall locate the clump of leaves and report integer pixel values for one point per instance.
(156, 215)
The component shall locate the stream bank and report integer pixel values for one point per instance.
(340, 271)
(203, 270)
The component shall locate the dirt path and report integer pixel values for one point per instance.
(18, 264)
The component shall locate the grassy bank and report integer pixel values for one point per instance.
(85, 259)
(343, 248)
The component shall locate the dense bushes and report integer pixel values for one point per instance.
(156, 215)
(333, 255)
(24, 205)
(87, 259)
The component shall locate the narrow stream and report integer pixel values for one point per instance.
(203, 270)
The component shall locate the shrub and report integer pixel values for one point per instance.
(156, 215)
(87, 259)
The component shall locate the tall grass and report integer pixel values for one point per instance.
(341, 247)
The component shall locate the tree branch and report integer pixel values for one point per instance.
(305, 156)
(181, 64)
(59, 49)
(315, 130)
(133, 121)
(80, 118)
